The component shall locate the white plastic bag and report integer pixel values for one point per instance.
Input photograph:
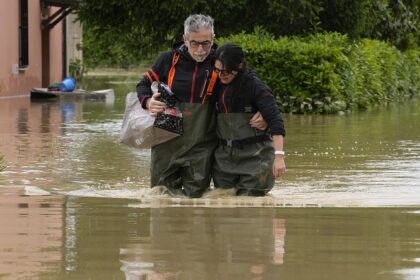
(137, 129)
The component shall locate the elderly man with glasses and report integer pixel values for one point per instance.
(183, 165)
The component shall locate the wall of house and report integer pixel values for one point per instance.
(15, 82)
(56, 51)
(74, 38)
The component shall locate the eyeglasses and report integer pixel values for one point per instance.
(222, 72)
(205, 44)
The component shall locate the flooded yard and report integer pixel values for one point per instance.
(76, 204)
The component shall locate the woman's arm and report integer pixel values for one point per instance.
(279, 166)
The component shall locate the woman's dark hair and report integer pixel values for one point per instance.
(231, 56)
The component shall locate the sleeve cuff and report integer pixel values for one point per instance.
(143, 101)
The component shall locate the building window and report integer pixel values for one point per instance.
(23, 34)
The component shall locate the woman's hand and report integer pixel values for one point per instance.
(279, 167)
(155, 106)
(258, 122)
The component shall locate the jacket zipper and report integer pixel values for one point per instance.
(204, 84)
(223, 99)
(193, 83)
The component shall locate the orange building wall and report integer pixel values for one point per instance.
(56, 48)
(14, 82)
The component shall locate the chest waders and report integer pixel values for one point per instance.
(183, 164)
(244, 156)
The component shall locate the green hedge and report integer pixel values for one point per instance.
(328, 73)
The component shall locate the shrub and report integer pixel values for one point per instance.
(381, 74)
(328, 73)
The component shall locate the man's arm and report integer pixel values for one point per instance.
(257, 121)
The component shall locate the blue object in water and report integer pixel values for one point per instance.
(68, 84)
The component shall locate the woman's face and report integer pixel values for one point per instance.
(224, 76)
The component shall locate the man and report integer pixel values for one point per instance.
(183, 164)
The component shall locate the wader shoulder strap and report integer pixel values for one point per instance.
(212, 82)
(151, 73)
(210, 86)
(171, 75)
(152, 76)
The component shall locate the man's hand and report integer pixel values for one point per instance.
(258, 122)
(154, 105)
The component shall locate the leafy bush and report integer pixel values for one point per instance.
(328, 73)
(303, 72)
(381, 74)
(397, 22)
(411, 65)
(77, 69)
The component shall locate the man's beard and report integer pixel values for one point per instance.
(200, 56)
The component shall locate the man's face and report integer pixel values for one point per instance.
(199, 44)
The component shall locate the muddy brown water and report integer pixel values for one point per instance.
(76, 204)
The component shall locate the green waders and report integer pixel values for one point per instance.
(243, 160)
(183, 164)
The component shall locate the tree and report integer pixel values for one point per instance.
(123, 32)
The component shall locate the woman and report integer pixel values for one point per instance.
(246, 159)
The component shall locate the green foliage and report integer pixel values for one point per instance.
(397, 22)
(380, 74)
(411, 64)
(394, 21)
(76, 69)
(281, 17)
(119, 33)
(126, 32)
(349, 17)
(312, 70)
(328, 73)
(303, 72)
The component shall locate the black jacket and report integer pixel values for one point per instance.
(247, 94)
(191, 78)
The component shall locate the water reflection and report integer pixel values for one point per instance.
(68, 112)
(102, 222)
(22, 121)
(31, 235)
(211, 244)
(57, 237)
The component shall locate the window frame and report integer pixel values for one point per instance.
(23, 34)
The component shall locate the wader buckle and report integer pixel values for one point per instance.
(229, 142)
(240, 143)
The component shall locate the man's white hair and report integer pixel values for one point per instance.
(198, 22)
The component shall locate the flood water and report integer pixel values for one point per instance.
(76, 204)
